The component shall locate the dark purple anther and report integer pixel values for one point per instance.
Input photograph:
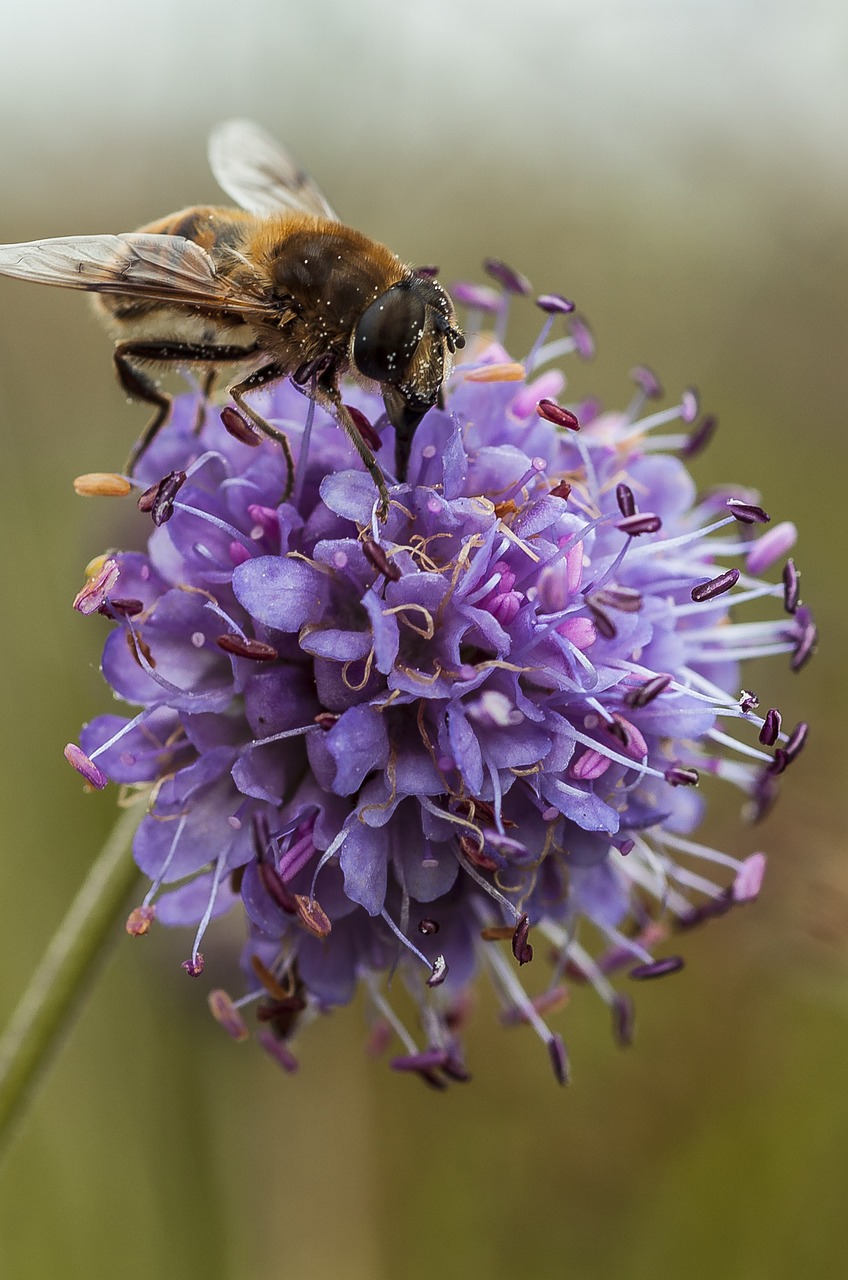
(677, 776)
(604, 624)
(708, 910)
(561, 490)
(376, 556)
(260, 831)
(624, 599)
(624, 498)
(427, 273)
(127, 608)
(521, 948)
(276, 890)
(647, 380)
(507, 277)
(440, 972)
(237, 425)
(645, 693)
(715, 586)
(162, 506)
(779, 763)
(195, 966)
(559, 1059)
(791, 586)
(456, 1070)
(807, 640)
(242, 647)
(763, 796)
(77, 758)
(371, 437)
(623, 1020)
(771, 727)
(658, 968)
(747, 512)
(689, 405)
(555, 304)
(748, 701)
(642, 522)
(553, 412)
(626, 846)
(797, 741)
(428, 927)
(700, 437)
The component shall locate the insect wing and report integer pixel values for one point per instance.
(161, 268)
(259, 174)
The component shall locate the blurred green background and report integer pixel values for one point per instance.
(679, 168)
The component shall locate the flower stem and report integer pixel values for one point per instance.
(48, 1005)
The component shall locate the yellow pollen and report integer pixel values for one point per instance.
(102, 484)
(506, 372)
(94, 566)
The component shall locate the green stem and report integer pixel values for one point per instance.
(48, 1005)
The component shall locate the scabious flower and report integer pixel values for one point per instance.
(397, 745)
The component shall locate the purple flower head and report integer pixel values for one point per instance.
(490, 719)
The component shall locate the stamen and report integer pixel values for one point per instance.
(647, 381)
(626, 501)
(509, 279)
(368, 433)
(797, 741)
(805, 645)
(521, 948)
(689, 405)
(159, 498)
(238, 426)
(195, 966)
(78, 760)
(555, 304)
(700, 437)
(771, 546)
(276, 1049)
(241, 647)
(376, 556)
(791, 586)
(552, 412)
(770, 731)
(507, 371)
(747, 512)
(715, 586)
(680, 777)
(658, 968)
(746, 886)
(313, 915)
(643, 522)
(227, 1015)
(623, 1020)
(645, 693)
(428, 927)
(139, 921)
(94, 594)
(102, 484)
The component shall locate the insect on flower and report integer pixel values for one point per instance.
(276, 288)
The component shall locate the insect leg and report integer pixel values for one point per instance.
(329, 397)
(128, 355)
(261, 378)
(207, 382)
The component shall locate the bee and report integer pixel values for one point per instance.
(276, 288)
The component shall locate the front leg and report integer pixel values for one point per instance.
(327, 395)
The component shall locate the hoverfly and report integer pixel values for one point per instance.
(279, 287)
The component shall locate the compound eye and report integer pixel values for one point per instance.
(388, 334)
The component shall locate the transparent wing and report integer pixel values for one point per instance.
(259, 174)
(161, 268)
